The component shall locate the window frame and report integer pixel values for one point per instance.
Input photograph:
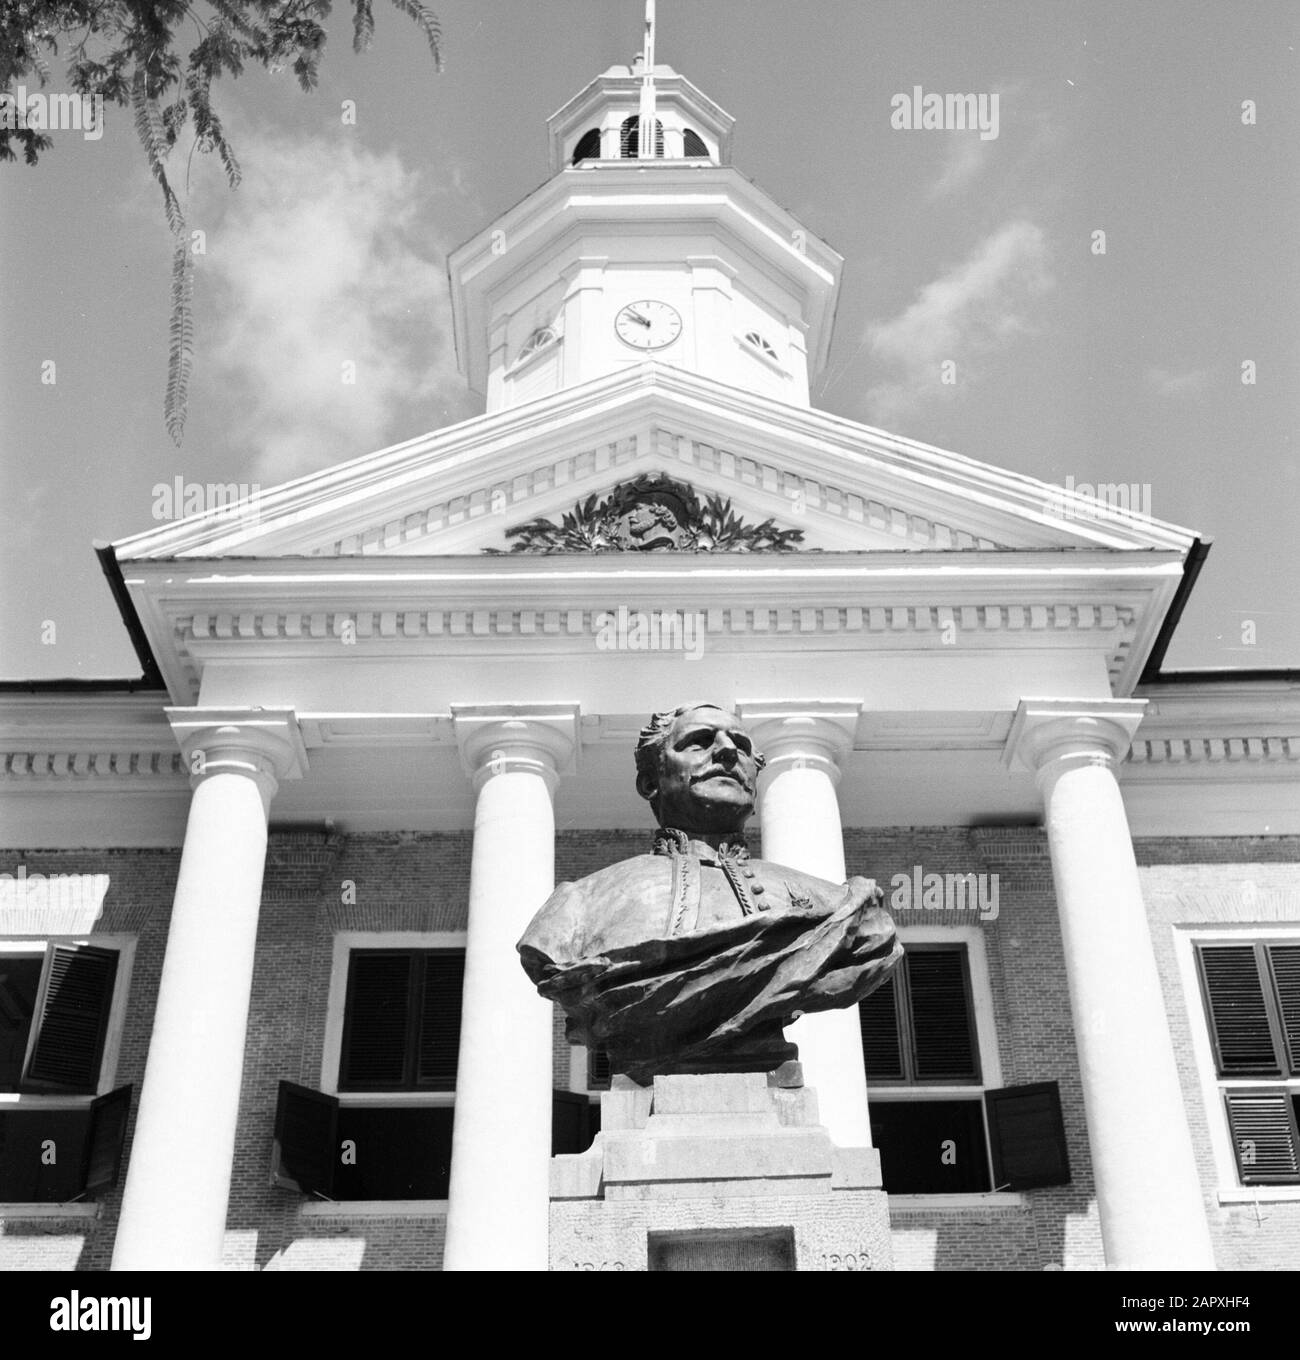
(332, 1051)
(543, 340)
(124, 945)
(1230, 1188)
(772, 361)
(345, 941)
(990, 1066)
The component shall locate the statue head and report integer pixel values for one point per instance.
(698, 768)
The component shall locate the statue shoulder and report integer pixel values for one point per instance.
(579, 914)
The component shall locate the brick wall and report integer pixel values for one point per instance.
(317, 886)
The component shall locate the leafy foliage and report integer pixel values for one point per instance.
(131, 53)
(595, 525)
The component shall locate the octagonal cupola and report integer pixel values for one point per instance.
(601, 123)
(642, 250)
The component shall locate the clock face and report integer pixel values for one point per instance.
(648, 324)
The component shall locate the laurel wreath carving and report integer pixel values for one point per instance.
(595, 525)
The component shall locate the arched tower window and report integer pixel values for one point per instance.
(694, 144)
(539, 339)
(629, 137)
(588, 147)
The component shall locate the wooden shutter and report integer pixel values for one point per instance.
(1264, 1136)
(377, 1023)
(598, 1068)
(71, 1019)
(943, 1034)
(439, 1046)
(104, 1139)
(1238, 1011)
(1027, 1137)
(1284, 961)
(882, 1042)
(306, 1148)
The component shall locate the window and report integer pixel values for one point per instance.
(542, 338)
(588, 146)
(60, 1139)
(764, 347)
(1251, 996)
(693, 143)
(598, 1068)
(939, 1127)
(629, 137)
(383, 1132)
(402, 1020)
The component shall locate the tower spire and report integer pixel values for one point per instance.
(646, 113)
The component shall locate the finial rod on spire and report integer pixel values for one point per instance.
(645, 142)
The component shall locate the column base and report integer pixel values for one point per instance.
(720, 1171)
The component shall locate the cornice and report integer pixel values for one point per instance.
(86, 750)
(424, 495)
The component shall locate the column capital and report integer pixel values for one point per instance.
(264, 744)
(503, 738)
(802, 733)
(1046, 732)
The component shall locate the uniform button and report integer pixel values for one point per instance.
(757, 888)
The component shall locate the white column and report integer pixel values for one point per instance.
(1148, 1193)
(804, 742)
(178, 1182)
(499, 1202)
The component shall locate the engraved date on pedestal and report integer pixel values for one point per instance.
(592, 1265)
(847, 1260)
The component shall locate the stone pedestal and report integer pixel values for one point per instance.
(726, 1171)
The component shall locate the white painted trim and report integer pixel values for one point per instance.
(1229, 1188)
(374, 1208)
(68, 1209)
(1261, 1194)
(344, 942)
(981, 1000)
(998, 1202)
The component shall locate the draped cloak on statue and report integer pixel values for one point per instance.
(691, 958)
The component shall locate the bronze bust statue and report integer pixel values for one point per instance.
(693, 957)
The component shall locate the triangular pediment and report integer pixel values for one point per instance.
(841, 485)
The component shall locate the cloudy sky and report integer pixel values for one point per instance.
(1117, 367)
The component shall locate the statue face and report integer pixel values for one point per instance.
(707, 773)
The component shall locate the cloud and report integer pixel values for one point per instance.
(319, 276)
(965, 158)
(1169, 383)
(976, 307)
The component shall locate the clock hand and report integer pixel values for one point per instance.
(637, 317)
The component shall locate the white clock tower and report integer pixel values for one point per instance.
(633, 250)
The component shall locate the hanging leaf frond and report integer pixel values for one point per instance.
(180, 350)
(428, 21)
(363, 25)
(153, 137)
